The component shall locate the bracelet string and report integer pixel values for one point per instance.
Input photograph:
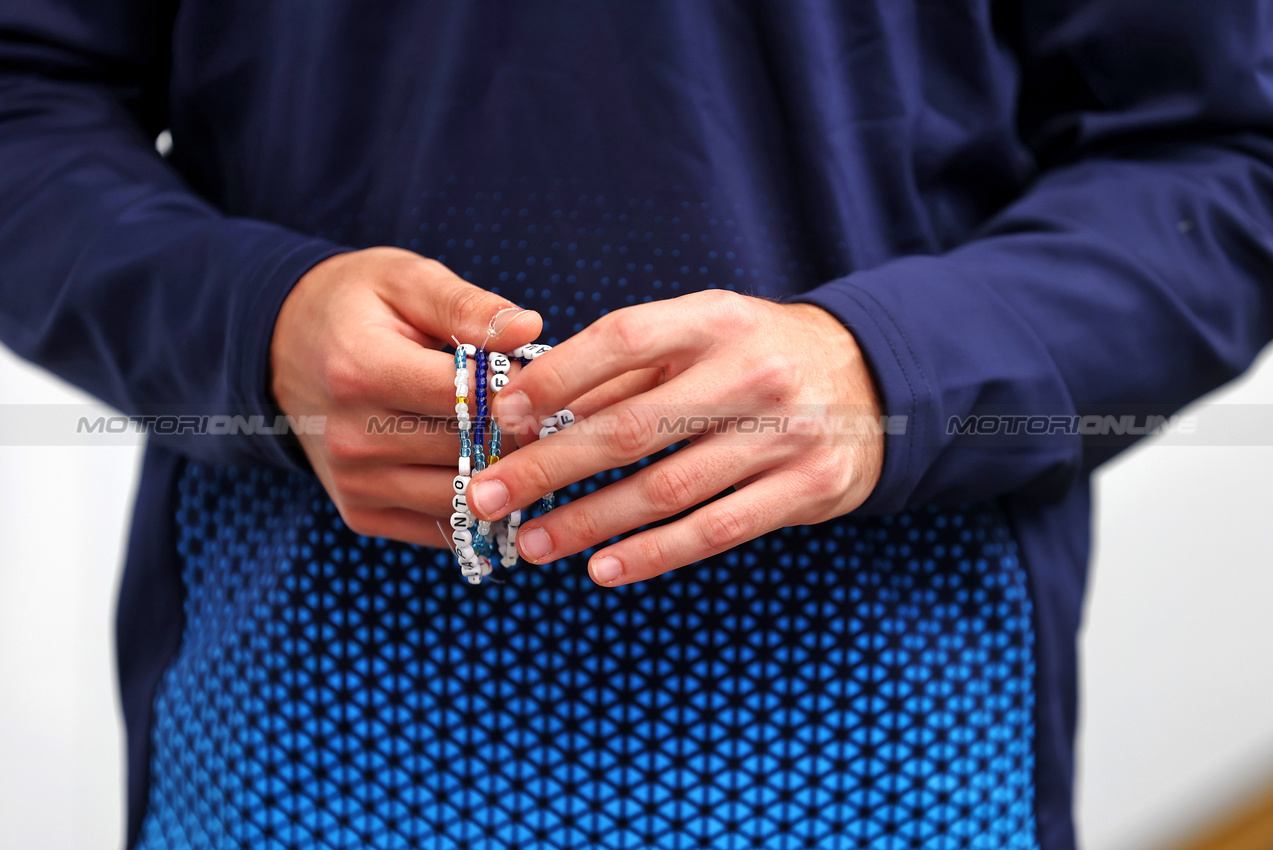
(478, 543)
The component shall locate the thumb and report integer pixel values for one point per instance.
(444, 305)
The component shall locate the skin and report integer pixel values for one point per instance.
(361, 335)
(714, 352)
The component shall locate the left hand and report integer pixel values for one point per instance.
(713, 354)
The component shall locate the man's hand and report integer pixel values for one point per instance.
(796, 431)
(359, 337)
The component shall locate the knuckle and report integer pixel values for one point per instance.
(669, 489)
(727, 308)
(363, 522)
(551, 381)
(629, 332)
(348, 447)
(826, 479)
(469, 306)
(347, 382)
(774, 373)
(583, 529)
(652, 553)
(534, 477)
(431, 267)
(633, 433)
(401, 272)
(724, 529)
(354, 489)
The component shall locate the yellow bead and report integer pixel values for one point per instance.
(493, 458)
(459, 399)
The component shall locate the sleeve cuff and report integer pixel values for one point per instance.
(253, 329)
(904, 388)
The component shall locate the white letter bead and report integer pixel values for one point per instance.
(471, 569)
(459, 503)
(509, 560)
(459, 520)
(499, 362)
(549, 420)
(466, 465)
(462, 537)
(461, 407)
(546, 431)
(465, 552)
(514, 519)
(498, 381)
(468, 348)
(564, 418)
(475, 579)
(460, 484)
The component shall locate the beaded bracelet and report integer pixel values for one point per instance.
(477, 542)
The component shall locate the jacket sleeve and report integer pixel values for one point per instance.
(113, 274)
(1134, 275)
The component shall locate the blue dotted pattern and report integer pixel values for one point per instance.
(860, 684)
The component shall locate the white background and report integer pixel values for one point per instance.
(1177, 689)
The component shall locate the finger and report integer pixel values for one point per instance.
(427, 435)
(625, 386)
(402, 375)
(437, 301)
(401, 524)
(616, 436)
(645, 335)
(673, 485)
(743, 515)
(399, 374)
(612, 392)
(418, 488)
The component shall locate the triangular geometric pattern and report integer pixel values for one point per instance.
(860, 684)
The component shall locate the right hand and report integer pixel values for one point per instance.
(361, 335)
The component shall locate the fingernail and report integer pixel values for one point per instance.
(489, 496)
(606, 570)
(534, 543)
(514, 409)
(503, 319)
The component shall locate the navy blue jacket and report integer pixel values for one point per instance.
(1043, 207)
